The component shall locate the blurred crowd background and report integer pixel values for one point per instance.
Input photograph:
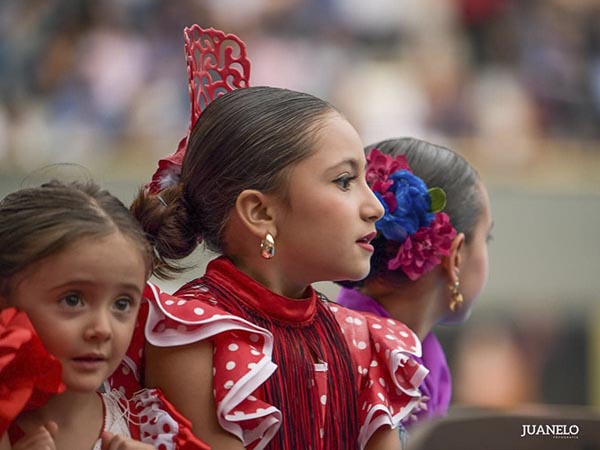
(514, 85)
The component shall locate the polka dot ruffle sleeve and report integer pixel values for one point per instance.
(161, 425)
(389, 376)
(242, 357)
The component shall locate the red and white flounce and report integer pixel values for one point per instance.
(389, 376)
(242, 359)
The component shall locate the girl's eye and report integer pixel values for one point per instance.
(123, 304)
(345, 181)
(489, 238)
(72, 300)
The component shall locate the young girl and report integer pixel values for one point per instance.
(73, 266)
(428, 266)
(275, 181)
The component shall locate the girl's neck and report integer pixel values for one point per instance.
(267, 274)
(416, 304)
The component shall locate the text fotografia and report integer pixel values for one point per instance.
(554, 431)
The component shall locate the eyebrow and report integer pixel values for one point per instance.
(353, 163)
(125, 286)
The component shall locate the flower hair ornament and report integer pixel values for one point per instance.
(216, 64)
(418, 233)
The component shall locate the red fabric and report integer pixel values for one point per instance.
(162, 425)
(323, 350)
(29, 375)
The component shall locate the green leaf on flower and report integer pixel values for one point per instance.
(438, 199)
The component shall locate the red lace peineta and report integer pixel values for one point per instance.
(216, 64)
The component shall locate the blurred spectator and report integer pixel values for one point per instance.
(86, 80)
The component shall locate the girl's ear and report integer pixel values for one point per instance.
(255, 211)
(452, 263)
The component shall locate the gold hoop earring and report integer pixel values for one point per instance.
(457, 298)
(267, 247)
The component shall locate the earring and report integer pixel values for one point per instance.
(267, 247)
(457, 298)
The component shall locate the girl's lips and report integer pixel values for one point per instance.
(89, 362)
(367, 238)
(365, 241)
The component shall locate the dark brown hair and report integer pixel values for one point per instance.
(246, 139)
(40, 221)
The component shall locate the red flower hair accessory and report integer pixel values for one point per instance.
(413, 219)
(29, 375)
(216, 63)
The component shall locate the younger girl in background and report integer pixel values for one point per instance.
(73, 266)
(274, 180)
(430, 261)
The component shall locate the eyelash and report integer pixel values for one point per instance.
(344, 181)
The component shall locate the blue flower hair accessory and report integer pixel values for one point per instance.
(412, 218)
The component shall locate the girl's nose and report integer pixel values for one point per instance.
(373, 208)
(98, 328)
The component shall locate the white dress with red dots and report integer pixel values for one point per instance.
(287, 373)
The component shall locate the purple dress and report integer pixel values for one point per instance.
(437, 386)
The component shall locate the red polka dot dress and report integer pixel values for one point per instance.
(288, 373)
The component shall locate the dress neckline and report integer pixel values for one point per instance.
(258, 297)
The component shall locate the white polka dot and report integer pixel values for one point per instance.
(404, 334)
(361, 345)
(382, 382)
(230, 365)
(233, 347)
(387, 352)
(334, 309)
(254, 337)
(390, 337)
(228, 384)
(350, 319)
(169, 302)
(254, 352)
(377, 347)
(357, 321)
(360, 370)
(381, 397)
(214, 371)
(365, 371)
(251, 366)
(371, 383)
(181, 302)
(238, 413)
(125, 370)
(259, 410)
(323, 400)
(198, 311)
(252, 398)
(364, 406)
(321, 432)
(391, 322)
(374, 363)
(376, 326)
